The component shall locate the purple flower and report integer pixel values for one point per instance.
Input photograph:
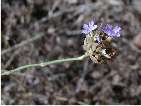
(112, 32)
(87, 28)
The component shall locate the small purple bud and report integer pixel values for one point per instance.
(87, 28)
(112, 32)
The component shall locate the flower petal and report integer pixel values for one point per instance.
(87, 28)
(112, 32)
(116, 29)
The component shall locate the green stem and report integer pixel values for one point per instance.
(43, 64)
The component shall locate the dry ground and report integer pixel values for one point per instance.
(42, 30)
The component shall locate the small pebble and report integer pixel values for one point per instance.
(137, 41)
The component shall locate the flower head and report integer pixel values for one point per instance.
(87, 28)
(98, 45)
(112, 31)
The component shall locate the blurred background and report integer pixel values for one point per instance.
(41, 30)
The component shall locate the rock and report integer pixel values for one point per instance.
(116, 79)
(71, 1)
(114, 2)
(137, 5)
(96, 75)
(137, 41)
